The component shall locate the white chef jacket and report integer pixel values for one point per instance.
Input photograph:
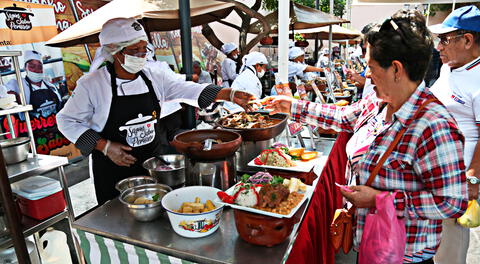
(169, 108)
(459, 91)
(12, 85)
(204, 77)
(296, 69)
(89, 105)
(229, 71)
(248, 81)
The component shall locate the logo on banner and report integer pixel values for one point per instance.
(17, 18)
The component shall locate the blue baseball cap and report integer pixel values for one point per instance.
(466, 18)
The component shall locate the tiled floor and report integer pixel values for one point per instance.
(83, 198)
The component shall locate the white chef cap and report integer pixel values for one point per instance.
(32, 55)
(229, 47)
(117, 34)
(253, 58)
(295, 52)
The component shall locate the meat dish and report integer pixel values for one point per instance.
(244, 120)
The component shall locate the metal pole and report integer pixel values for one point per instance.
(187, 61)
(75, 15)
(315, 55)
(23, 101)
(13, 219)
(283, 11)
(330, 35)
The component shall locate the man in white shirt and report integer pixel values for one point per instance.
(203, 76)
(458, 89)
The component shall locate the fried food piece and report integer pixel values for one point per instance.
(210, 206)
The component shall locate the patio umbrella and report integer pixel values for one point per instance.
(301, 17)
(338, 33)
(157, 15)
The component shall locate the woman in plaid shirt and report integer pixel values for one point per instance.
(426, 168)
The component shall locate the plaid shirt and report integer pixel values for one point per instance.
(426, 168)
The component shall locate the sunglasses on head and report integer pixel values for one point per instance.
(391, 24)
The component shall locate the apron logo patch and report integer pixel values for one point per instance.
(140, 131)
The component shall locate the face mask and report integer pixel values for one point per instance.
(260, 74)
(34, 76)
(235, 56)
(133, 64)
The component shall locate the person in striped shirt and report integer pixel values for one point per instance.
(426, 168)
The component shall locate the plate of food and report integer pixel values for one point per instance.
(280, 157)
(268, 195)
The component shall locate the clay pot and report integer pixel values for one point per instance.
(263, 230)
(190, 143)
(266, 41)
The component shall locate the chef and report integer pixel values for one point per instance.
(296, 64)
(229, 65)
(253, 69)
(113, 114)
(41, 94)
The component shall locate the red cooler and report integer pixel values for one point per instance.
(39, 197)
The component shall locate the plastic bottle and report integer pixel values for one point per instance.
(53, 247)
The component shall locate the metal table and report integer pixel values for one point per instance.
(113, 221)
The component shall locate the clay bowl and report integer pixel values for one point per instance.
(191, 144)
(260, 134)
(263, 230)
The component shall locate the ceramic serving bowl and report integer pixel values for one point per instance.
(193, 225)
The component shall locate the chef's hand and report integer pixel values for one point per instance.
(242, 98)
(279, 104)
(195, 78)
(118, 154)
(361, 196)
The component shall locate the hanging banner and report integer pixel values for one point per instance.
(25, 24)
(168, 48)
(26, 27)
(75, 59)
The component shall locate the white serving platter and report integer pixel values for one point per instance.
(308, 193)
(301, 166)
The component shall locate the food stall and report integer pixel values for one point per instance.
(208, 217)
(110, 228)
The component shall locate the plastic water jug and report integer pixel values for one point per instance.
(53, 247)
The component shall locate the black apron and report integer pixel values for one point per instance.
(46, 104)
(143, 136)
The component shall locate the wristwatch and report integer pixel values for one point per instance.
(473, 180)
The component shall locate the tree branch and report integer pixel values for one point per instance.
(207, 31)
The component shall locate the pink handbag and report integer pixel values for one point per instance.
(384, 236)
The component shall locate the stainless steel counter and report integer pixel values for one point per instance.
(112, 220)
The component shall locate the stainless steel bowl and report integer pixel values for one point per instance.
(171, 178)
(133, 181)
(15, 150)
(144, 212)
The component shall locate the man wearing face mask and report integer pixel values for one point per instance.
(229, 65)
(114, 112)
(253, 69)
(41, 94)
